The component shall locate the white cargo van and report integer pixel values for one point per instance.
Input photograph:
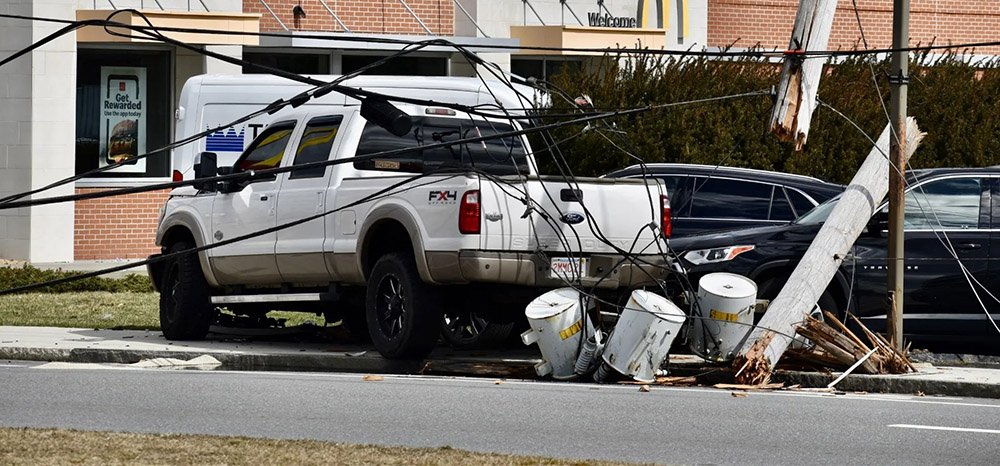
(211, 101)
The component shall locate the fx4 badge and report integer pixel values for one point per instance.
(442, 197)
(572, 218)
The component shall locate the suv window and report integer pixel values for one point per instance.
(679, 191)
(730, 199)
(781, 210)
(799, 202)
(315, 145)
(500, 156)
(948, 203)
(267, 150)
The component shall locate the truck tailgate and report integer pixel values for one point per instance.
(571, 218)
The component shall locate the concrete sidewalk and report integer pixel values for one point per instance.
(242, 353)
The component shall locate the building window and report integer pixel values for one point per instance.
(298, 63)
(542, 68)
(123, 109)
(399, 66)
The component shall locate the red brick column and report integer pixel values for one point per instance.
(119, 227)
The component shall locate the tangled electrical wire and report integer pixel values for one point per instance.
(517, 189)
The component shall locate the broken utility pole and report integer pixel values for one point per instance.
(770, 338)
(800, 77)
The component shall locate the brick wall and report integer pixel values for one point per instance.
(769, 22)
(372, 16)
(119, 227)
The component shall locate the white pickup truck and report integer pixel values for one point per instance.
(487, 235)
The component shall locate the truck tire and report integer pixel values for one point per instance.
(186, 309)
(403, 312)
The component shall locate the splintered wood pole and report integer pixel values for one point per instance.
(800, 77)
(770, 338)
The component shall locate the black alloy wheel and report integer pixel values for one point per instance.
(390, 306)
(467, 329)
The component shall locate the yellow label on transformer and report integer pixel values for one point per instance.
(719, 315)
(571, 330)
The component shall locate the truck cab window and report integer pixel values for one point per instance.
(500, 156)
(267, 150)
(315, 145)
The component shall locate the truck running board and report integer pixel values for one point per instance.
(272, 298)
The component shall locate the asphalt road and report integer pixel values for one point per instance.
(583, 421)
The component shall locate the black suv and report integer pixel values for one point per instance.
(708, 198)
(943, 206)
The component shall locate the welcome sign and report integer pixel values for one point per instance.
(643, 17)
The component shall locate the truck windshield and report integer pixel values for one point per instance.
(497, 156)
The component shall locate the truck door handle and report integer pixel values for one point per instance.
(263, 197)
(969, 246)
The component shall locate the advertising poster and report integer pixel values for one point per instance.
(123, 117)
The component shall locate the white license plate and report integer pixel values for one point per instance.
(568, 267)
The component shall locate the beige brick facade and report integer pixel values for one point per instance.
(769, 22)
(366, 16)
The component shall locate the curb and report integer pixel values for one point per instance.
(333, 362)
(371, 362)
(900, 384)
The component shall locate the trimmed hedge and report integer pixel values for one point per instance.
(956, 102)
(12, 277)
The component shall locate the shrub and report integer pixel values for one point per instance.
(13, 277)
(952, 97)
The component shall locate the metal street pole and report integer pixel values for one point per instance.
(898, 79)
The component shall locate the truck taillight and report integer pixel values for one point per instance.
(177, 176)
(468, 213)
(666, 225)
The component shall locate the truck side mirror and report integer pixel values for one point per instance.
(205, 166)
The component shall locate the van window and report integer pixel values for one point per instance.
(315, 145)
(500, 156)
(267, 150)
(730, 199)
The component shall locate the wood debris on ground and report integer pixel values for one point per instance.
(739, 386)
(665, 380)
(836, 347)
(373, 378)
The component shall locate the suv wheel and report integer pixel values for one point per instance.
(464, 328)
(186, 309)
(403, 312)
